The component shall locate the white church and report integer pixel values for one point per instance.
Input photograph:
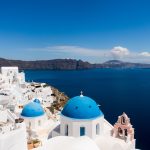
(82, 119)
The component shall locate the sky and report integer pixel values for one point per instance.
(91, 30)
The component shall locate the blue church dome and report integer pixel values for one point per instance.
(81, 107)
(32, 109)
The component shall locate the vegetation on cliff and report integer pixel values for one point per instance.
(60, 100)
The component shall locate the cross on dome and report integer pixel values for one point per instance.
(81, 93)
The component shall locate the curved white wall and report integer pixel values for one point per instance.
(75, 124)
(34, 122)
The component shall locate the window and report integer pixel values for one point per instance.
(76, 107)
(123, 121)
(39, 123)
(126, 132)
(97, 129)
(82, 131)
(29, 124)
(66, 130)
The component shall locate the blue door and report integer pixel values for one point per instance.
(82, 131)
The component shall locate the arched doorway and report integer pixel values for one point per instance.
(120, 132)
(126, 132)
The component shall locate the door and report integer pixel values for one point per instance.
(82, 131)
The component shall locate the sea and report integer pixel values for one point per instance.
(115, 90)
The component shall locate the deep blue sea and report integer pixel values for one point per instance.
(116, 90)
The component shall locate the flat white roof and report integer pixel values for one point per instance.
(10, 67)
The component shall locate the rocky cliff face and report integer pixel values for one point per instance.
(68, 64)
(56, 64)
(122, 64)
(61, 100)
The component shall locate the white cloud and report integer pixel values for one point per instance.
(145, 54)
(74, 52)
(91, 54)
(77, 50)
(119, 52)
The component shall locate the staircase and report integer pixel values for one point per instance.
(11, 116)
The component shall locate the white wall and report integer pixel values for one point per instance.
(34, 121)
(3, 115)
(9, 73)
(21, 77)
(14, 140)
(5, 70)
(75, 124)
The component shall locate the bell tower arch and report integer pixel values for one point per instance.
(123, 128)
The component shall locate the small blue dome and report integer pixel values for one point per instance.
(81, 107)
(32, 109)
(37, 101)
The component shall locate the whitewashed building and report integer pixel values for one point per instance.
(11, 75)
(12, 134)
(17, 91)
(81, 116)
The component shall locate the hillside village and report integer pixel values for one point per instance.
(40, 117)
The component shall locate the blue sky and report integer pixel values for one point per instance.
(92, 30)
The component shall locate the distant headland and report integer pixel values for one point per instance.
(69, 64)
